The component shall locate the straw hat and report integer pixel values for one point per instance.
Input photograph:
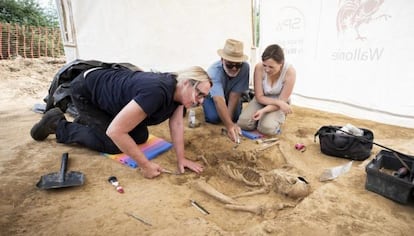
(233, 51)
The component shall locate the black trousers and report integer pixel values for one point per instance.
(89, 128)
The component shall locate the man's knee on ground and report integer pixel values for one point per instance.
(212, 119)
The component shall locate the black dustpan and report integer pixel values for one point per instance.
(61, 179)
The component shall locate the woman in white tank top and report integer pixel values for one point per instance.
(274, 80)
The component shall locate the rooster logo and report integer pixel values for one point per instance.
(353, 13)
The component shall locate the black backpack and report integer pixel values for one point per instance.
(59, 90)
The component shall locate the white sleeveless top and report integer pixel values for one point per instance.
(276, 89)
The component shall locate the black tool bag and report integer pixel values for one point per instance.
(343, 144)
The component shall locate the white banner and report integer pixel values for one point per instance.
(164, 35)
(352, 57)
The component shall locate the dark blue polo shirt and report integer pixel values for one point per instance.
(112, 89)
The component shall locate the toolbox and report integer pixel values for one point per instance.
(389, 177)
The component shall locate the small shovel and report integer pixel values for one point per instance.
(61, 179)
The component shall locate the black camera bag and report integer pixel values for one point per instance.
(345, 145)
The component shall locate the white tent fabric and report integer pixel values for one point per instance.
(165, 35)
(351, 57)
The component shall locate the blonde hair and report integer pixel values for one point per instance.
(194, 74)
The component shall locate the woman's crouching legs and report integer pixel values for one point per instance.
(271, 123)
(246, 121)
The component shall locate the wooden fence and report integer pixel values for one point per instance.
(29, 41)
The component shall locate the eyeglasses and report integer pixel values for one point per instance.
(197, 92)
(230, 65)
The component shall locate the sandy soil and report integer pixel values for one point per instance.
(339, 207)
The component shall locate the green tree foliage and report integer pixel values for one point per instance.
(27, 12)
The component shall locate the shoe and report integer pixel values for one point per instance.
(47, 125)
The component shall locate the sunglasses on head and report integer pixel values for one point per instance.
(230, 65)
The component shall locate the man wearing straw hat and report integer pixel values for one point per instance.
(230, 77)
